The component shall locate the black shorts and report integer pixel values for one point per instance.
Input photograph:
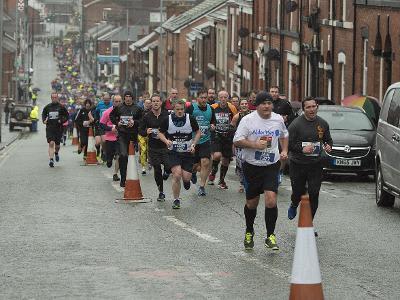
(158, 157)
(223, 145)
(202, 151)
(98, 131)
(112, 149)
(185, 160)
(54, 135)
(259, 179)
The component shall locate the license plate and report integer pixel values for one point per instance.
(347, 162)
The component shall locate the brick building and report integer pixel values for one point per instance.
(179, 65)
(376, 43)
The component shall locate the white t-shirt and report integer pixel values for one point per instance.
(253, 128)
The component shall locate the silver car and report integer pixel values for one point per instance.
(387, 157)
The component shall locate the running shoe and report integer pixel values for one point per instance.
(270, 242)
(122, 183)
(161, 197)
(51, 163)
(211, 179)
(79, 151)
(84, 157)
(176, 204)
(99, 160)
(144, 171)
(222, 185)
(202, 191)
(291, 212)
(194, 178)
(64, 144)
(57, 156)
(315, 233)
(109, 164)
(116, 178)
(186, 185)
(248, 241)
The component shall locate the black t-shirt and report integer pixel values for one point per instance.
(56, 114)
(152, 121)
(303, 132)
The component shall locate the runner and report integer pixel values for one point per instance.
(205, 118)
(157, 150)
(95, 117)
(54, 115)
(173, 95)
(211, 96)
(258, 135)
(221, 144)
(82, 121)
(110, 137)
(282, 107)
(308, 136)
(177, 133)
(143, 139)
(244, 110)
(126, 117)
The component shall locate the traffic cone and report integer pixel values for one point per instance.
(91, 158)
(75, 140)
(306, 276)
(133, 191)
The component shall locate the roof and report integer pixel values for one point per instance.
(142, 41)
(122, 33)
(99, 30)
(207, 6)
(220, 15)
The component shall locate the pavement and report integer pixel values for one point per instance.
(62, 235)
(7, 136)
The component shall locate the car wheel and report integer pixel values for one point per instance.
(383, 198)
(19, 115)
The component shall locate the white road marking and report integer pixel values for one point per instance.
(329, 193)
(275, 271)
(197, 233)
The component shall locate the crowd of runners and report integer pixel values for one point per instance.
(194, 142)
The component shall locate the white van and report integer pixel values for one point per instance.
(387, 157)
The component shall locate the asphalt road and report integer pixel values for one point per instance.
(62, 235)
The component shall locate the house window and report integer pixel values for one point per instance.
(344, 10)
(331, 9)
(105, 15)
(278, 15)
(115, 49)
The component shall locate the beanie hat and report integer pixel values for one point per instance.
(128, 93)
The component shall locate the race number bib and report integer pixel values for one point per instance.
(316, 148)
(204, 129)
(264, 156)
(125, 120)
(53, 115)
(181, 146)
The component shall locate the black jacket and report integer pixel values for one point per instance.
(151, 121)
(284, 108)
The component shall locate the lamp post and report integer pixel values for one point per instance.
(161, 52)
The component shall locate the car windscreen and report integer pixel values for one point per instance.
(346, 120)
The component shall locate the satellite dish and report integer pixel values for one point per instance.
(291, 6)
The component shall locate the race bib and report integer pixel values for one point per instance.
(180, 146)
(125, 119)
(204, 129)
(53, 115)
(264, 156)
(316, 148)
(154, 133)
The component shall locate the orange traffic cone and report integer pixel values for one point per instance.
(133, 191)
(75, 140)
(91, 158)
(306, 276)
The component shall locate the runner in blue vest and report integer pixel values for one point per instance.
(204, 114)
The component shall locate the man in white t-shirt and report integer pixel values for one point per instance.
(258, 135)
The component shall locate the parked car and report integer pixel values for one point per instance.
(19, 116)
(387, 158)
(353, 135)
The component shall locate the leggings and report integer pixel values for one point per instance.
(143, 146)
